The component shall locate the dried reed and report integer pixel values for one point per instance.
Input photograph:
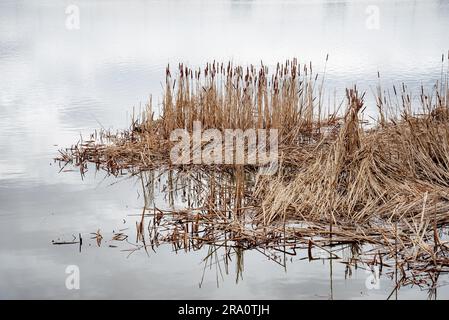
(385, 185)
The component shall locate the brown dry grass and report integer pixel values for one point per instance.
(386, 185)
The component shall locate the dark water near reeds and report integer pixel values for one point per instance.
(57, 84)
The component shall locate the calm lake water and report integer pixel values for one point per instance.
(59, 83)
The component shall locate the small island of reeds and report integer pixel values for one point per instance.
(381, 184)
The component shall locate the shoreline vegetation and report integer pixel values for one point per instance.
(382, 186)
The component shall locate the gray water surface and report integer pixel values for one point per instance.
(58, 83)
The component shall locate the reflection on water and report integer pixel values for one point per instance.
(60, 83)
(194, 212)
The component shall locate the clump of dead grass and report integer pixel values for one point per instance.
(385, 184)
